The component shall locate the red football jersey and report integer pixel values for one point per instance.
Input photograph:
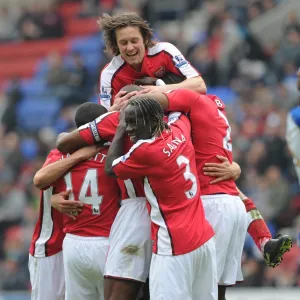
(99, 193)
(210, 134)
(171, 186)
(48, 233)
(159, 59)
(105, 128)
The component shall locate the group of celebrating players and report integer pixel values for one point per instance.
(145, 186)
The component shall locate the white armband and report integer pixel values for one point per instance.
(159, 82)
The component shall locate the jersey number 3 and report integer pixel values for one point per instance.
(88, 186)
(188, 175)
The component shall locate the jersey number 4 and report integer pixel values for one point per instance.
(89, 190)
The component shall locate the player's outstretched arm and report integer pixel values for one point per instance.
(52, 172)
(195, 84)
(70, 142)
(116, 149)
(223, 170)
(161, 98)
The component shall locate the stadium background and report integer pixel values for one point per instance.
(248, 51)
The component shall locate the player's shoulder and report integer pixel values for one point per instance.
(111, 116)
(55, 153)
(111, 68)
(162, 46)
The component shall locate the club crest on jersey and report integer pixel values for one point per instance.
(160, 72)
(180, 61)
(105, 94)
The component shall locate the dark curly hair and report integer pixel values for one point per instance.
(108, 24)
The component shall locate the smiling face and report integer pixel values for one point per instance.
(131, 45)
(137, 126)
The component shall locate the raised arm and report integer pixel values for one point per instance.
(116, 148)
(52, 172)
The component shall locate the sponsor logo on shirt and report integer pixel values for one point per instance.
(180, 61)
(105, 94)
(160, 72)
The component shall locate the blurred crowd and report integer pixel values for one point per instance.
(258, 82)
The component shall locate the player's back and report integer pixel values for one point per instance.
(99, 193)
(173, 190)
(210, 134)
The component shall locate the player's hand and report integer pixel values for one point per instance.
(222, 171)
(70, 208)
(122, 123)
(146, 81)
(155, 89)
(121, 100)
(87, 152)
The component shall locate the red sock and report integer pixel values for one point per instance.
(257, 227)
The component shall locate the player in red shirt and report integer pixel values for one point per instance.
(210, 141)
(86, 243)
(183, 263)
(130, 39)
(128, 260)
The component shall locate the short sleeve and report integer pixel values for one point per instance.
(105, 93)
(102, 128)
(177, 63)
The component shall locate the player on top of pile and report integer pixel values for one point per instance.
(136, 55)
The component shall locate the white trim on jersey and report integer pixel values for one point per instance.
(46, 226)
(173, 117)
(106, 77)
(164, 244)
(127, 155)
(179, 60)
(130, 188)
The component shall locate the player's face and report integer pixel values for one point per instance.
(136, 126)
(131, 45)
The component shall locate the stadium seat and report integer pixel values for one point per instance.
(35, 113)
(87, 44)
(227, 95)
(34, 87)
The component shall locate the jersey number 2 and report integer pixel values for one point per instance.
(90, 183)
(188, 175)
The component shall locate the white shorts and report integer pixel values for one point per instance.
(191, 276)
(227, 215)
(130, 249)
(47, 277)
(84, 261)
(293, 141)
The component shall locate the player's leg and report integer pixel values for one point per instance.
(221, 292)
(121, 289)
(83, 260)
(205, 283)
(227, 215)
(272, 249)
(129, 256)
(47, 277)
(232, 272)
